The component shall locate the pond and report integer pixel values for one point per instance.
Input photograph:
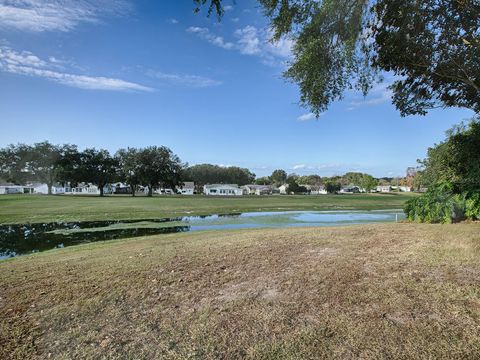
(19, 239)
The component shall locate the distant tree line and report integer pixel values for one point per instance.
(214, 174)
(47, 163)
(296, 183)
(150, 167)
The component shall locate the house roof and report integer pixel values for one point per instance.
(258, 187)
(7, 184)
(230, 186)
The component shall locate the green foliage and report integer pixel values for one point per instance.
(158, 166)
(294, 187)
(441, 205)
(278, 177)
(213, 174)
(432, 45)
(97, 167)
(265, 180)
(455, 160)
(368, 182)
(472, 206)
(435, 47)
(332, 186)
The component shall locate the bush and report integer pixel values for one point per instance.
(440, 205)
(472, 206)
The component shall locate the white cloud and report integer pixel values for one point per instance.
(248, 40)
(205, 34)
(307, 117)
(299, 166)
(26, 63)
(379, 94)
(193, 81)
(228, 7)
(251, 41)
(173, 21)
(59, 15)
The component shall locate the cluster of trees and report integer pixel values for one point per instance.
(451, 172)
(210, 174)
(48, 163)
(332, 184)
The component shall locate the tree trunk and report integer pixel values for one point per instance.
(101, 190)
(49, 186)
(132, 187)
(150, 191)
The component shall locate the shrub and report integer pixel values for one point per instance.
(440, 205)
(472, 206)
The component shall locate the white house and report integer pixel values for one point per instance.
(315, 189)
(9, 188)
(257, 189)
(350, 190)
(85, 189)
(41, 188)
(121, 188)
(384, 188)
(283, 189)
(188, 188)
(222, 190)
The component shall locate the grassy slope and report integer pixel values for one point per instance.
(371, 291)
(26, 208)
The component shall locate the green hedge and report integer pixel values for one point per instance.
(440, 205)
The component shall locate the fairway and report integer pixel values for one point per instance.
(38, 208)
(384, 291)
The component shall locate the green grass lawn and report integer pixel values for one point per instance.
(38, 208)
(388, 291)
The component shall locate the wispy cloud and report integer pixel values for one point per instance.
(59, 15)
(379, 94)
(194, 81)
(252, 41)
(206, 34)
(299, 166)
(26, 63)
(248, 40)
(307, 117)
(173, 21)
(228, 7)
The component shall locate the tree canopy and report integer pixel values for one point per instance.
(431, 46)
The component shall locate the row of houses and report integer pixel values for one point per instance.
(88, 189)
(188, 188)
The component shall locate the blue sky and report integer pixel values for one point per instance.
(118, 73)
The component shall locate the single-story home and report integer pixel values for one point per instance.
(316, 189)
(42, 188)
(222, 190)
(283, 189)
(188, 188)
(85, 189)
(10, 188)
(257, 189)
(121, 188)
(384, 188)
(352, 189)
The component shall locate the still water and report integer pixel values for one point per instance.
(22, 239)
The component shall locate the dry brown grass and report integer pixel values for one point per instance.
(396, 291)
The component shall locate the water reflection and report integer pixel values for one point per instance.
(27, 238)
